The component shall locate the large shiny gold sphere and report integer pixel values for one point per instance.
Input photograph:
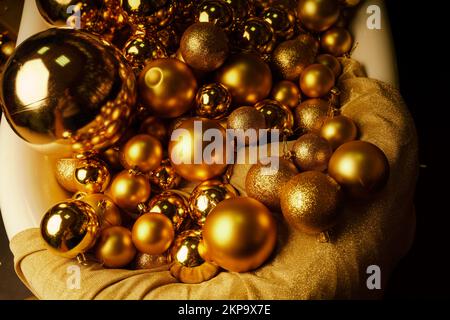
(240, 234)
(265, 186)
(255, 34)
(291, 57)
(115, 248)
(172, 205)
(336, 41)
(310, 114)
(316, 80)
(310, 202)
(331, 62)
(84, 175)
(213, 101)
(204, 46)
(164, 177)
(191, 155)
(167, 87)
(318, 15)
(152, 233)
(248, 78)
(65, 90)
(107, 212)
(206, 196)
(360, 167)
(70, 228)
(277, 115)
(287, 93)
(311, 152)
(142, 152)
(339, 130)
(127, 190)
(215, 11)
(140, 49)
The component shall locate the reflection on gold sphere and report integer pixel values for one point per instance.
(287, 93)
(140, 49)
(115, 248)
(281, 20)
(152, 233)
(310, 114)
(338, 130)
(255, 34)
(349, 3)
(149, 13)
(128, 190)
(360, 167)
(142, 152)
(291, 57)
(316, 80)
(151, 261)
(213, 101)
(215, 11)
(172, 205)
(277, 115)
(331, 62)
(107, 212)
(164, 177)
(240, 234)
(318, 15)
(311, 152)
(336, 41)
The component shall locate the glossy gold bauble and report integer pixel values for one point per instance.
(318, 15)
(164, 177)
(85, 175)
(310, 114)
(316, 80)
(281, 20)
(264, 184)
(150, 13)
(128, 190)
(215, 11)
(142, 152)
(241, 9)
(204, 46)
(155, 127)
(187, 150)
(70, 228)
(115, 248)
(331, 62)
(172, 205)
(255, 34)
(360, 167)
(338, 130)
(310, 202)
(112, 157)
(167, 87)
(213, 101)
(151, 261)
(287, 93)
(206, 196)
(240, 234)
(247, 77)
(277, 115)
(7, 46)
(107, 212)
(336, 41)
(188, 266)
(291, 57)
(311, 152)
(140, 49)
(152, 233)
(65, 90)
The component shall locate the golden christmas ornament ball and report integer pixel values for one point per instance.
(149, 14)
(151, 261)
(128, 190)
(336, 41)
(189, 151)
(164, 177)
(142, 152)
(206, 196)
(240, 234)
(316, 80)
(107, 212)
(241, 9)
(204, 46)
(265, 185)
(318, 15)
(70, 228)
(291, 57)
(311, 152)
(244, 118)
(281, 20)
(310, 202)
(360, 167)
(287, 93)
(172, 205)
(155, 127)
(115, 248)
(247, 77)
(215, 11)
(152, 233)
(141, 48)
(255, 34)
(167, 87)
(310, 114)
(331, 62)
(338, 130)
(277, 115)
(213, 101)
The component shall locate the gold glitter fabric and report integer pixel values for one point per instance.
(378, 232)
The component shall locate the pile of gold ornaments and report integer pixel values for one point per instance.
(141, 69)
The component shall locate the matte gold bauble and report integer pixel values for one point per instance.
(167, 87)
(310, 41)
(164, 177)
(151, 261)
(318, 15)
(115, 248)
(311, 152)
(152, 233)
(265, 185)
(84, 175)
(338, 130)
(287, 93)
(360, 167)
(150, 13)
(240, 234)
(215, 11)
(206, 196)
(142, 152)
(277, 115)
(204, 46)
(70, 228)
(310, 202)
(213, 101)
(336, 41)
(291, 57)
(316, 80)
(331, 62)
(310, 114)
(245, 118)
(191, 155)
(281, 20)
(155, 127)
(128, 190)
(107, 212)
(65, 90)
(172, 205)
(247, 77)
(140, 49)
(255, 34)
(188, 266)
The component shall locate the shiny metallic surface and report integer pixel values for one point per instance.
(216, 11)
(172, 205)
(150, 13)
(277, 115)
(255, 34)
(140, 49)
(213, 101)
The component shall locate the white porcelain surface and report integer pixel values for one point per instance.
(27, 184)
